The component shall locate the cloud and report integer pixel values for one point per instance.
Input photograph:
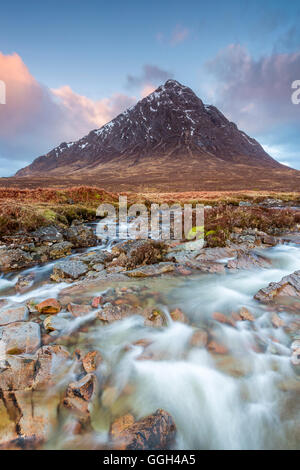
(255, 93)
(151, 77)
(180, 34)
(36, 118)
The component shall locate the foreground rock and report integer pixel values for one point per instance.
(289, 286)
(155, 432)
(69, 270)
(13, 315)
(18, 338)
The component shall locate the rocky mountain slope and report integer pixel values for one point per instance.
(170, 136)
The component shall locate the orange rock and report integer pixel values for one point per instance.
(120, 424)
(91, 361)
(178, 315)
(277, 321)
(49, 306)
(246, 315)
(217, 348)
(199, 339)
(221, 318)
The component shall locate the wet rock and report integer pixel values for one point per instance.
(277, 322)
(120, 424)
(248, 261)
(59, 250)
(217, 348)
(16, 373)
(78, 310)
(11, 259)
(221, 318)
(91, 361)
(199, 339)
(18, 338)
(79, 395)
(97, 301)
(50, 234)
(80, 236)
(246, 315)
(295, 358)
(152, 270)
(49, 306)
(24, 282)
(155, 318)
(111, 313)
(156, 431)
(56, 323)
(206, 266)
(68, 270)
(178, 315)
(12, 315)
(289, 286)
(51, 366)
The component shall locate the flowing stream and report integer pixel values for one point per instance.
(245, 398)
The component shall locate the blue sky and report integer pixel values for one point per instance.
(77, 56)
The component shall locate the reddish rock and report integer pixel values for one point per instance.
(97, 301)
(49, 306)
(12, 315)
(221, 318)
(120, 424)
(199, 339)
(246, 315)
(217, 348)
(91, 361)
(277, 321)
(178, 315)
(289, 286)
(156, 431)
(78, 310)
(79, 394)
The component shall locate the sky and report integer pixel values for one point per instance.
(71, 66)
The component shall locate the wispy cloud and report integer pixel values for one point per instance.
(36, 118)
(178, 35)
(150, 77)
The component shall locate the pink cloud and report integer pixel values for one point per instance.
(36, 118)
(180, 34)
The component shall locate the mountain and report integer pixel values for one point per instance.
(170, 139)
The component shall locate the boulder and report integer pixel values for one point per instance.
(249, 260)
(13, 315)
(78, 396)
(51, 234)
(49, 306)
(68, 270)
(61, 249)
(79, 310)
(18, 338)
(52, 363)
(152, 270)
(154, 432)
(289, 286)
(80, 236)
(91, 361)
(15, 258)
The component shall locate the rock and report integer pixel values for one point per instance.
(12, 315)
(289, 286)
(23, 282)
(80, 236)
(79, 394)
(154, 319)
(18, 338)
(78, 310)
(61, 249)
(16, 373)
(156, 431)
(295, 345)
(49, 306)
(120, 424)
(48, 234)
(277, 321)
(248, 261)
(178, 315)
(206, 266)
(56, 323)
(295, 358)
(268, 239)
(271, 202)
(152, 270)
(11, 259)
(52, 364)
(97, 301)
(69, 270)
(221, 318)
(199, 339)
(217, 348)
(91, 361)
(246, 315)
